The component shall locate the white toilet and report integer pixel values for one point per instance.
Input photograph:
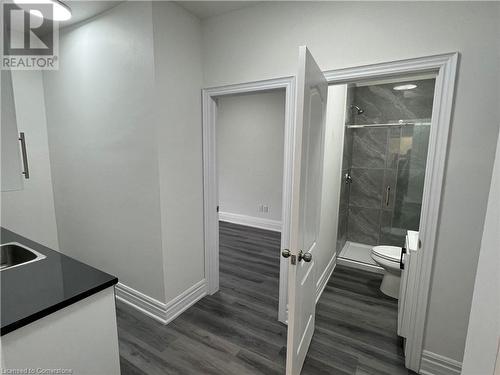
(388, 258)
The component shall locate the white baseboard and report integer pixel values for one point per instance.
(185, 300)
(142, 302)
(435, 364)
(325, 276)
(162, 312)
(251, 221)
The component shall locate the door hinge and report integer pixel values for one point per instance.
(293, 259)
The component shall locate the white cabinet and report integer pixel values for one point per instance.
(81, 339)
(11, 164)
(402, 288)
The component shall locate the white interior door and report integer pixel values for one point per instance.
(312, 90)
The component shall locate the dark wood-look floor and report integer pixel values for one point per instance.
(236, 330)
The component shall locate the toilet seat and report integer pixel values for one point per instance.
(390, 253)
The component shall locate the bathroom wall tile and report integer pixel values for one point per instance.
(369, 147)
(382, 104)
(407, 131)
(393, 146)
(420, 143)
(386, 220)
(366, 188)
(381, 157)
(414, 145)
(391, 239)
(403, 180)
(347, 153)
(363, 225)
(349, 118)
(390, 235)
(410, 186)
(407, 216)
(416, 178)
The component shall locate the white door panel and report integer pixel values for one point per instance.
(312, 91)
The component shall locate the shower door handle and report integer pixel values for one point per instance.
(387, 195)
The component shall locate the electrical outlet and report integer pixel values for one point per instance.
(265, 208)
(261, 208)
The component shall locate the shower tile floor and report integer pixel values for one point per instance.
(358, 252)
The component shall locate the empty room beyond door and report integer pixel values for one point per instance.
(250, 143)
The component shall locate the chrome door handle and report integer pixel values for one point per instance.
(286, 253)
(306, 257)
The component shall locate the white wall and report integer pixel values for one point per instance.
(178, 76)
(30, 212)
(103, 147)
(483, 335)
(262, 42)
(125, 138)
(250, 143)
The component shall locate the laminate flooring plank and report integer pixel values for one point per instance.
(236, 330)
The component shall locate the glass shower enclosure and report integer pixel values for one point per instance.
(383, 166)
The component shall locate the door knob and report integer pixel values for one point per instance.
(286, 253)
(306, 257)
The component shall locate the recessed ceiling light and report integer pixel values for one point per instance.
(410, 86)
(60, 11)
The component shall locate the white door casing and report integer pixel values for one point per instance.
(209, 98)
(312, 91)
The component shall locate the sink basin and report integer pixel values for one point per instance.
(14, 254)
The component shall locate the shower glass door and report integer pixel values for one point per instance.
(383, 167)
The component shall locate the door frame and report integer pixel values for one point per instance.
(210, 180)
(445, 65)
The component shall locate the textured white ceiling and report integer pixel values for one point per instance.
(85, 9)
(81, 10)
(206, 9)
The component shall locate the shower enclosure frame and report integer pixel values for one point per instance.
(445, 67)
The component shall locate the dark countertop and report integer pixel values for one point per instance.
(34, 290)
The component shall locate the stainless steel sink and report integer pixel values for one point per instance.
(14, 254)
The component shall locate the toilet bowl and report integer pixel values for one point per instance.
(388, 258)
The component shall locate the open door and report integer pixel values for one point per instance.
(312, 90)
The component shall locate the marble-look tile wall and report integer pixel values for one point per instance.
(382, 104)
(387, 164)
(410, 180)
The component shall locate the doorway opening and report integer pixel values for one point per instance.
(250, 147)
(381, 131)
(418, 146)
(301, 322)
(242, 163)
(386, 138)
